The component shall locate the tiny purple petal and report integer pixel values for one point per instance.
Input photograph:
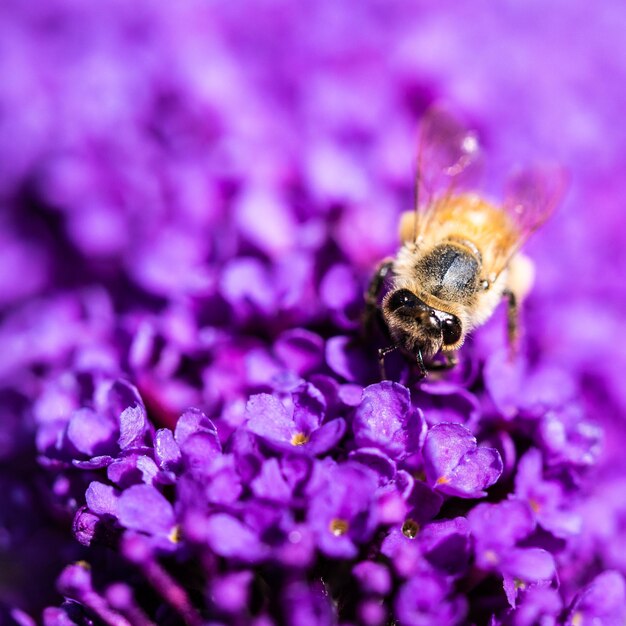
(502, 524)
(102, 499)
(268, 418)
(372, 577)
(325, 437)
(92, 433)
(529, 564)
(133, 426)
(166, 450)
(131, 470)
(427, 599)
(199, 451)
(349, 359)
(94, 463)
(376, 460)
(143, 508)
(270, 484)
(230, 592)
(229, 538)
(603, 601)
(192, 422)
(300, 350)
(384, 420)
(446, 545)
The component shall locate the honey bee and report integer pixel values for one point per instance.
(460, 254)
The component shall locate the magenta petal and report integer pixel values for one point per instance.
(199, 451)
(384, 420)
(143, 508)
(229, 538)
(372, 577)
(455, 465)
(268, 418)
(445, 446)
(300, 350)
(376, 460)
(476, 472)
(92, 433)
(529, 564)
(102, 499)
(130, 470)
(502, 524)
(94, 463)
(603, 601)
(270, 483)
(192, 422)
(326, 436)
(309, 406)
(347, 358)
(133, 426)
(166, 450)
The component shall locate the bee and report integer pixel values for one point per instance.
(459, 254)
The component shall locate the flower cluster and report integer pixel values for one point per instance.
(194, 429)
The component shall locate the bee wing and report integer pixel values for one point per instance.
(446, 150)
(530, 197)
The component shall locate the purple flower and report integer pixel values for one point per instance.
(547, 498)
(299, 430)
(203, 236)
(384, 419)
(427, 599)
(454, 463)
(603, 601)
(342, 510)
(498, 530)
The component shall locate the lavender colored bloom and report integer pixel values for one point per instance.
(300, 350)
(300, 431)
(230, 538)
(498, 530)
(341, 511)
(143, 508)
(603, 601)
(427, 599)
(547, 498)
(454, 463)
(203, 236)
(538, 604)
(384, 419)
(373, 577)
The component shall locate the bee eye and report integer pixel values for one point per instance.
(403, 297)
(451, 329)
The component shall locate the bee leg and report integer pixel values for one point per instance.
(420, 364)
(512, 321)
(373, 292)
(382, 353)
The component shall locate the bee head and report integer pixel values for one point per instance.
(415, 325)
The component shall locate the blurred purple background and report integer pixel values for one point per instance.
(183, 183)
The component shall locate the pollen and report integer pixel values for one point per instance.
(299, 439)
(491, 557)
(534, 505)
(577, 619)
(442, 480)
(410, 528)
(175, 534)
(338, 527)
